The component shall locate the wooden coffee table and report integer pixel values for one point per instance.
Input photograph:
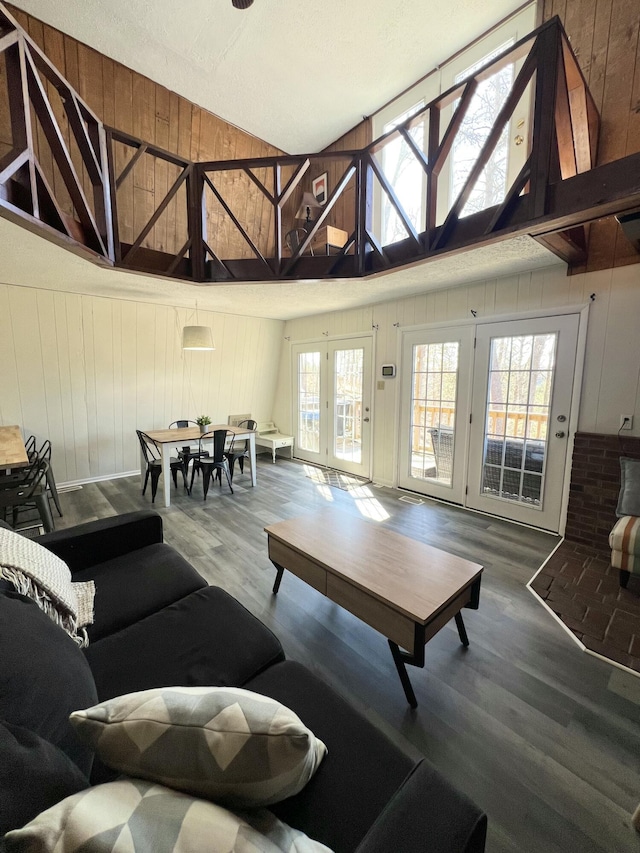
(402, 588)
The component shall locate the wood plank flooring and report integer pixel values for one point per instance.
(542, 736)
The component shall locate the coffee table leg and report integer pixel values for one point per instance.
(462, 631)
(279, 573)
(400, 658)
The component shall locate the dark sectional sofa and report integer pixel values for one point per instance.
(158, 623)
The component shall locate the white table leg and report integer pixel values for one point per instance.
(166, 473)
(252, 455)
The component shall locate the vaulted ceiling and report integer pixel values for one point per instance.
(296, 73)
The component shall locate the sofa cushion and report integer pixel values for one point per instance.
(132, 814)
(34, 775)
(226, 744)
(360, 773)
(205, 639)
(131, 587)
(44, 676)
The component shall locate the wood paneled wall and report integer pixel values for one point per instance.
(343, 213)
(611, 379)
(86, 372)
(605, 36)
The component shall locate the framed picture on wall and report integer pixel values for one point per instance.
(319, 187)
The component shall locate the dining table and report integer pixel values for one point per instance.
(167, 440)
(13, 453)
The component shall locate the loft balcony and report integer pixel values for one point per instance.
(123, 202)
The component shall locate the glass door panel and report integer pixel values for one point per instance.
(435, 382)
(309, 402)
(517, 416)
(347, 404)
(523, 385)
(332, 399)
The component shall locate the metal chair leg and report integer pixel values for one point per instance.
(155, 477)
(42, 503)
(51, 485)
(226, 471)
(206, 478)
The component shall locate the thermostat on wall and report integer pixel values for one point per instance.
(388, 370)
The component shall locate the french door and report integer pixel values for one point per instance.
(332, 404)
(485, 415)
(436, 369)
(522, 392)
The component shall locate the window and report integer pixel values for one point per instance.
(406, 176)
(491, 186)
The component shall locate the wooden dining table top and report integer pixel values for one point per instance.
(181, 434)
(13, 453)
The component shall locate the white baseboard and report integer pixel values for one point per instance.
(100, 479)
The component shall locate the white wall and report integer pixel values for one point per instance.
(611, 381)
(86, 372)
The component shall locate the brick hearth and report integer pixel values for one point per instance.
(578, 583)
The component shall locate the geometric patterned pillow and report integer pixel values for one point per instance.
(223, 743)
(134, 815)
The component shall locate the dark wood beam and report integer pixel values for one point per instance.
(570, 246)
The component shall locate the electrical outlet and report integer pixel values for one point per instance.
(626, 421)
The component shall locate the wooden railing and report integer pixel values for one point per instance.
(42, 183)
(84, 185)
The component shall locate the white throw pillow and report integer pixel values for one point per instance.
(226, 744)
(132, 814)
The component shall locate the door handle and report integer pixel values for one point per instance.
(366, 420)
(560, 434)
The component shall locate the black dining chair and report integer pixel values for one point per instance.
(44, 453)
(185, 452)
(28, 494)
(240, 449)
(218, 462)
(153, 460)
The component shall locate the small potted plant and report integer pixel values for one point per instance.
(203, 421)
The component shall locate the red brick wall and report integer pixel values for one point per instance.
(595, 484)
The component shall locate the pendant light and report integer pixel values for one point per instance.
(197, 337)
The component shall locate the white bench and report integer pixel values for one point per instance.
(267, 436)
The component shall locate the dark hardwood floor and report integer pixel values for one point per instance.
(542, 736)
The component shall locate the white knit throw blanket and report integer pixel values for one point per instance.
(36, 572)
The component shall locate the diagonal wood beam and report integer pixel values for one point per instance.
(81, 135)
(62, 157)
(517, 90)
(326, 210)
(178, 257)
(235, 221)
(156, 215)
(8, 40)
(260, 185)
(393, 198)
(10, 166)
(293, 182)
(123, 174)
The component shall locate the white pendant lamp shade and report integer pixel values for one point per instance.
(197, 337)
